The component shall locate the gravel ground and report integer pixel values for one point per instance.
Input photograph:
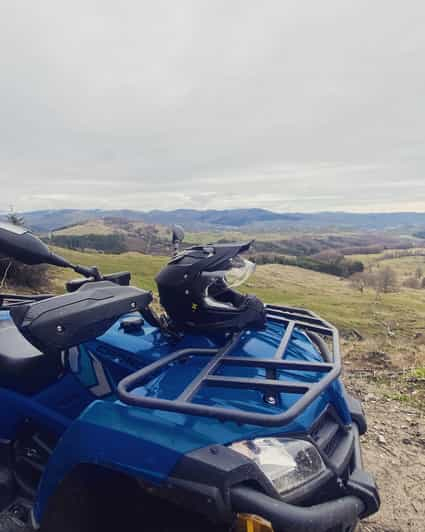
(394, 451)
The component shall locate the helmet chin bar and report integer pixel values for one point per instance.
(224, 298)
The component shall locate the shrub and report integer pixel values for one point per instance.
(358, 281)
(14, 274)
(412, 282)
(386, 280)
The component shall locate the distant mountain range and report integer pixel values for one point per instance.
(236, 219)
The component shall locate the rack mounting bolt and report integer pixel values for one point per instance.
(270, 400)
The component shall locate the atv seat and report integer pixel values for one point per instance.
(23, 368)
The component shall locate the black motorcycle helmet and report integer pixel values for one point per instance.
(196, 290)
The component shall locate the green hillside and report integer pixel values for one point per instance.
(391, 322)
(142, 267)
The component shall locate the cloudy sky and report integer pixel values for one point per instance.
(291, 105)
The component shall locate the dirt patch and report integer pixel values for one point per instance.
(394, 452)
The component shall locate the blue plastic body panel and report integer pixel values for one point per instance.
(97, 428)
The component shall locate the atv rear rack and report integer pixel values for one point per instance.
(293, 318)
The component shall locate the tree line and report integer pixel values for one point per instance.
(332, 264)
(109, 243)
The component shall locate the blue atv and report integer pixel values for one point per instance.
(222, 413)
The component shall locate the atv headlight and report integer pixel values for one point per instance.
(287, 463)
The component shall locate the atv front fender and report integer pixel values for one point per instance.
(120, 438)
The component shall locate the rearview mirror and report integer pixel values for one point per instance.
(19, 243)
(178, 234)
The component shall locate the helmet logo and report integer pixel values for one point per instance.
(194, 306)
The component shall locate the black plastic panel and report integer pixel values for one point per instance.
(71, 319)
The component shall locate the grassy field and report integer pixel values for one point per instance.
(142, 267)
(404, 266)
(93, 227)
(393, 322)
(99, 227)
(409, 261)
(213, 236)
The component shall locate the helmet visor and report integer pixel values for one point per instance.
(239, 272)
(220, 281)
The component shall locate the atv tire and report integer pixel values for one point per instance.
(96, 500)
(9, 524)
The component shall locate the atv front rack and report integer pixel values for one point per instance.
(292, 318)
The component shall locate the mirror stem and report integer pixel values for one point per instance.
(87, 272)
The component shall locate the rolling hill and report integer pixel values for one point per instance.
(240, 219)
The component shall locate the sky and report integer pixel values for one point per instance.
(288, 105)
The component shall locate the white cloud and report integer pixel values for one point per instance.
(285, 105)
